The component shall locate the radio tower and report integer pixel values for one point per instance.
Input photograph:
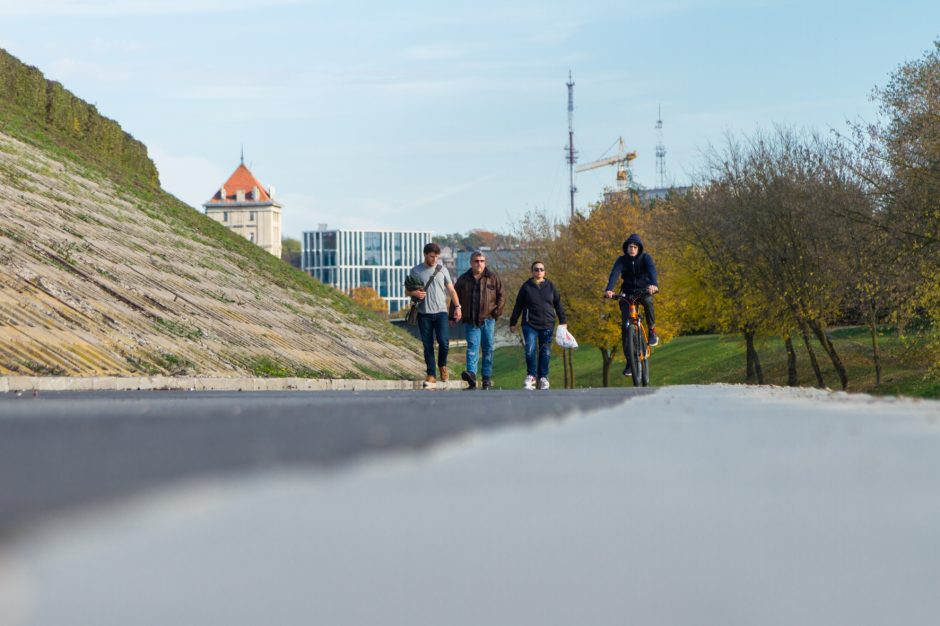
(572, 157)
(660, 151)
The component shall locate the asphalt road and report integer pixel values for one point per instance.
(729, 505)
(62, 450)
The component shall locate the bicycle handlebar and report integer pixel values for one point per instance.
(627, 296)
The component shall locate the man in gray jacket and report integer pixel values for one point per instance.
(432, 311)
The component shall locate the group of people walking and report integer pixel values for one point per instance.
(478, 298)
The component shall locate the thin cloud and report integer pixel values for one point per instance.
(303, 212)
(445, 193)
(432, 52)
(114, 8)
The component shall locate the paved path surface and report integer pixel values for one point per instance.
(60, 450)
(721, 505)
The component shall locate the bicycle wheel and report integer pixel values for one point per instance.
(633, 342)
(644, 360)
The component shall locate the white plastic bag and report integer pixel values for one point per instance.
(564, 338)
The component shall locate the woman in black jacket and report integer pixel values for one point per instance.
(538, 302)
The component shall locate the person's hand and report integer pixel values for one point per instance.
(608, 294)
(512, 329)
(457, 315)
(652, 289)
(419, 294)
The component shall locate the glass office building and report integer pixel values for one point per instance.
(380, 259)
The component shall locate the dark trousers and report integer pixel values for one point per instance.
(538, 350)
(646, 300)
(431, 324)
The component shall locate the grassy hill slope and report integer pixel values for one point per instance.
(103, 273)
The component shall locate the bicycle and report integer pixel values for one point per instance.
(636, 343)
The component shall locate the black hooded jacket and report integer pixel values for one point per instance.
(539, 304)
(638, 272)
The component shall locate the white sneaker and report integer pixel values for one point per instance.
(543, 383)
(529, 383)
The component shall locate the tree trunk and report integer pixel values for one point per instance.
(753, 361)
(875, 352)
(757, 368)
(749, 351)
(792, 379)
(607, 355)
(564, 362)
(830, 349)
(567, 352)
(812, 355)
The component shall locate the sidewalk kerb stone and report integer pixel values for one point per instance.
(189, 383)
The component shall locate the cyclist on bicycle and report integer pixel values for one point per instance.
(638, 272)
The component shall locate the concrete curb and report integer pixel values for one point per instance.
(189, 383)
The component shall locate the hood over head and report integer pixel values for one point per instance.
(634, 238)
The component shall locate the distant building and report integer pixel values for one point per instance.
(645, 197)
(380, 259)
(449, 260)
(497, 259)
(649, 196)
(245, 206)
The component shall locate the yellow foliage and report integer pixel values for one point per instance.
(368, 298)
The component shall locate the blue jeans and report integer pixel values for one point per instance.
(540, 342)
(431, 324)
(476, 336)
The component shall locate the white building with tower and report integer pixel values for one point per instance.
(246, 207)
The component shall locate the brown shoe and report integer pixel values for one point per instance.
(429, 381)
(445, 375)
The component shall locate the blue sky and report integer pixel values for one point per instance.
(452, 116)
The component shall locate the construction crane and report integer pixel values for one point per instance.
(621, 160)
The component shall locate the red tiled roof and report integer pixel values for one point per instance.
(241, 180)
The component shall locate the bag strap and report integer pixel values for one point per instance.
(430, 280)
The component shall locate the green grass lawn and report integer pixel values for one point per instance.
(702, 359)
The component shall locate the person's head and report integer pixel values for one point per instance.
(477, 262)
(538, 270)
(431, 253)
(633, 245)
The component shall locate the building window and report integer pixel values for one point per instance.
(383, 283)
(396, 250)
(251, 216)
(373, 249)
(224, 216)
(251, 237)
(366, 278)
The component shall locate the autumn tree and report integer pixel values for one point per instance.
(898, 156)
(709, 285)
(765, 231)
(369, 298)
(787, 231)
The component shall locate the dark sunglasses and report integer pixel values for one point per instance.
(538, 269)
(479, 260)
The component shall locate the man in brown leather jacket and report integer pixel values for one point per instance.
(480, 291)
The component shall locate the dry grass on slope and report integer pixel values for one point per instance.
(97, 279)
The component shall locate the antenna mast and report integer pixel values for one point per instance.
(572, 157)
(660, 150)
